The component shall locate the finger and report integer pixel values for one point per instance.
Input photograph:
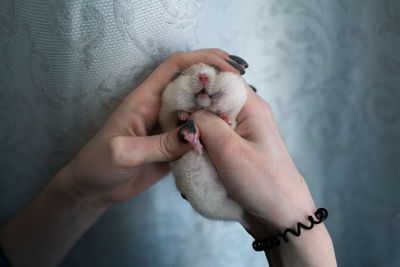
(255, 118)
(254, 105)
(128, 152)
(178, 62)
(237, 62)
(216, 51)
(218, 138)
(256, 123)
(226, 56)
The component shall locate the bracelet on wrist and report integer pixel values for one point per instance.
(263, 244)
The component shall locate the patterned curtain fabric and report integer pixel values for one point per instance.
(330, 70)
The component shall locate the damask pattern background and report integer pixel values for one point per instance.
(330, 70)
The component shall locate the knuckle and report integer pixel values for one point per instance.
(165, 146)
(116, 151)
(269, 112)
(266, 108)
(177, 59)
(137, 123)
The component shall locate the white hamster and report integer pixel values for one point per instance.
(201, 86)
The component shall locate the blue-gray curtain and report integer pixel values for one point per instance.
(330, 70)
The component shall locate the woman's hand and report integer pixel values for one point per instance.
(256, 169)
(120, 161)
(255, 166)
(123, 158)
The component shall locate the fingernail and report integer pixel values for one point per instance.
(189, 126)
(239, 60)
(252, 87)
(236, 66)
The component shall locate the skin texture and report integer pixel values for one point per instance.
(123, 159)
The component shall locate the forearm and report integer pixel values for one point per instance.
(44, 232)
(311, 248)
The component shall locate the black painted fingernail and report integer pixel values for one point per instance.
(180, 122)
(183, 196)
(239, 60)
(236, 66)
(190, 127)
(252, 87)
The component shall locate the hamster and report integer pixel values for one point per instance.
(201, 86)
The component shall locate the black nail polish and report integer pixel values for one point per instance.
(252, 87)
(239, 60)
(190, 127)
(236, 66)
(179, 122)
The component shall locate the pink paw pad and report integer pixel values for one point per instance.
(225, 117)
(183, 115)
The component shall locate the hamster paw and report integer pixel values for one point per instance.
(183, 115)
(225, 117)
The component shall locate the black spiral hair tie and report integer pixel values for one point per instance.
(263, 244)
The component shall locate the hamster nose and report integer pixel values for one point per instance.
(203, 77)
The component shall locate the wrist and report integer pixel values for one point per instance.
(264, 227)
(292, 200)
(50, 225)
(306, 243)
(311, 248)
(65, 186)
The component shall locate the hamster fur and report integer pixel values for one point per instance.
(224, 93)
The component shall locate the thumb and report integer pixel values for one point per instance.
(131, 151)
(220, 141)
